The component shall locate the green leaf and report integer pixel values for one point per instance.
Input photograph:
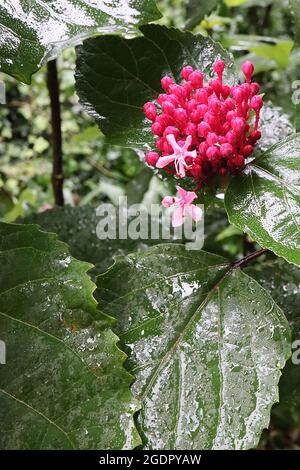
(283, 282)
(265, 201)
(196, 11)
(34, 32)
(207, 344)
(64, 385)
(77, 227)
(115, 77)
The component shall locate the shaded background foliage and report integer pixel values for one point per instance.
(259, 30)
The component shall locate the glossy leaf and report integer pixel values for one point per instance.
(77, 226)
(283, 282)
(265, 201)
(207, 344)
(34, 32)
(64, 385)
(115, 77)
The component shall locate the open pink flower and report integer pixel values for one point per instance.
(184, 206)
(179, 155)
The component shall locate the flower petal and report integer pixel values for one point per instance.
(164, 161)
(168, 201)
(172, 141)
(182, 192)
(178, 217)
(196, 212)
(190, 197)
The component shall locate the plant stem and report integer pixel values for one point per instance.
(57, 169)
(244, 261)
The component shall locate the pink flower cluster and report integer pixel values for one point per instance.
(204, 129)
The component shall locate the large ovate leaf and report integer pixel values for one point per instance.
(115, 77)
(207, 344)
(77, 226)
(35, 31)
(283, 282)
(265, 201)
(64, 385)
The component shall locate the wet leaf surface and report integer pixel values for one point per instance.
(283, 282)
(64, 385)
(265, 201)
(34, 32)
(206, 346)
(115, 77)
(77, 226)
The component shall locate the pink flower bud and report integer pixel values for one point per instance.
(226, 150)
(239, 161)
(237, 94)
(203, 129)
(160, 143)
(225, 91)
(197, 171)
(171, 130)
(151, 158)
(166, 82)
(212, 138)
(212, 153)
(211, 119)
(256, 102)
(202, 109)
(219, 68)
(180, 115)
(192, 105)
(238, 124)
(226, 127)
(230, 115)
(178, 91)
(255, 87)
(214, 104)
(255, 135)
(247, 150)
(202, 148)
(248, 69)
(186, 72)
(201, 96)
(157, 128)
(168, 107)
(150, 111)
(164, 119)
(216, 86)
(229, 104)
(190, 129)
(231, 137)
(196, 79)
(162, 97)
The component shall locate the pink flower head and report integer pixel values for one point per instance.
(183, 205)
(204, 129)
(178, 156)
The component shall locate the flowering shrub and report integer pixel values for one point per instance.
(204, 129)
